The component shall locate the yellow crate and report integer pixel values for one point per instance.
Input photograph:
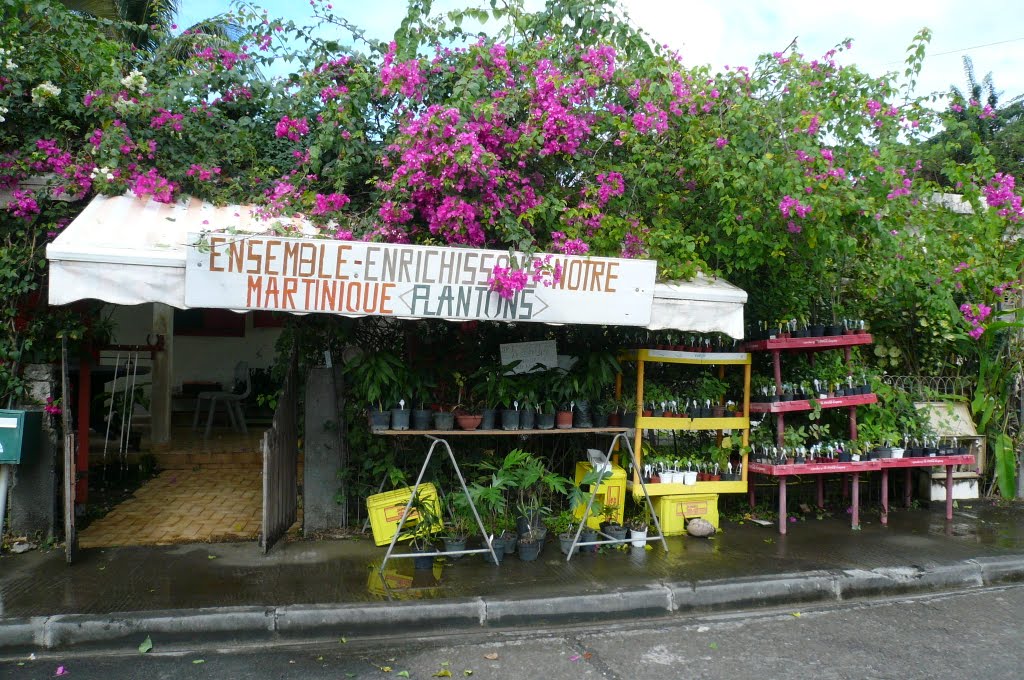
(611, 491)
(674, 511)
(385, 510)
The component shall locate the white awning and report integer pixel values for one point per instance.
(127, 251)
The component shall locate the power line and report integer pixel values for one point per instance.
(965, 49)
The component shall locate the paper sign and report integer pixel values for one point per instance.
(529, 354)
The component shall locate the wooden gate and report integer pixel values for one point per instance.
(281, 461)
(70, 473)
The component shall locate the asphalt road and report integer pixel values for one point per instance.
(969, 634)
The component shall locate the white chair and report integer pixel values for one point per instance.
(232, 401)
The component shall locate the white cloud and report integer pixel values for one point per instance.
(735, 32)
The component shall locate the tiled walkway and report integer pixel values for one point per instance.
(210, 503)
(208, 490)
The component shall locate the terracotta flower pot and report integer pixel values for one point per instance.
(563, 420)
(466, 421)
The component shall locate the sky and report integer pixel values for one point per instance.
(734, 33)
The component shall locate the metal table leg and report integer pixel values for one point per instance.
(593, 494)
(949, 492)
(855, 497)
(885, 495)
(405, 513)
(782, 505)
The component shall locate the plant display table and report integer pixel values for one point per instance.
(741, 423)
(783, 472)
(830, 342)
(908, 464)
(438, 437)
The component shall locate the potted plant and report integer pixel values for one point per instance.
(457, 524)
(592, 374)
(421, 534)
(467, 411)
(376, 378)
(638, 526)
(712, 389)
(563, 525)
(610, 526)
(420, 384)
(489, 500)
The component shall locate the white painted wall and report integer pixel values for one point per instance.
(197, 358)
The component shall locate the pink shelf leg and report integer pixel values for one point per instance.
(906, 488)
(885, 495)
(782, 505)
(855, 494)
(949, 492)
(821, 491)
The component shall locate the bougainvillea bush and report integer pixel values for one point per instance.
(561, 131)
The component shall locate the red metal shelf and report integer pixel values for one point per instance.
(801, 405)
(809, 344)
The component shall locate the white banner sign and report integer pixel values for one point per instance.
(354, 278)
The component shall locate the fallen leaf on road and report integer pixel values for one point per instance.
(703, 629)
(386, 669)
(796, 614)
(342, 640)
(211, 557)
(443, 673)
(198, 660)
(713, 645)
(467, 672)
(403, 674)
(146, 645)
(574, 658)
(493, 656)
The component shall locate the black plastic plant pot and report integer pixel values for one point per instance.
(454, 544)
(800, 334)
(421, 563)
(834, 330)
(490, 415)
(400, 418)
(527, 419)
(498, 545)
(444, 420)
(629, 419)
(845, 458)
(545, 421)
(817, 330)
(379, 420)
(600, 419)
(421, 418)
(582, 419)
(588, 536)
(509, 419)
(529, 550)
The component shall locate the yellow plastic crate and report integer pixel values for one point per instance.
(611, 491)
(385, 510)
(674, 511)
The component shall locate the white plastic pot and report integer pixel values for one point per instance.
(638, 538)
(690, 477)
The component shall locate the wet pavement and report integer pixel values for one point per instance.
(176, 577)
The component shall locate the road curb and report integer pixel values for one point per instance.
(403, 618)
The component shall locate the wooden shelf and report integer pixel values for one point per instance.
(861, 466)
(505, 433)
(801, 405)
(688, 489)
(809, 344)
(662, 423)
(672, 357)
